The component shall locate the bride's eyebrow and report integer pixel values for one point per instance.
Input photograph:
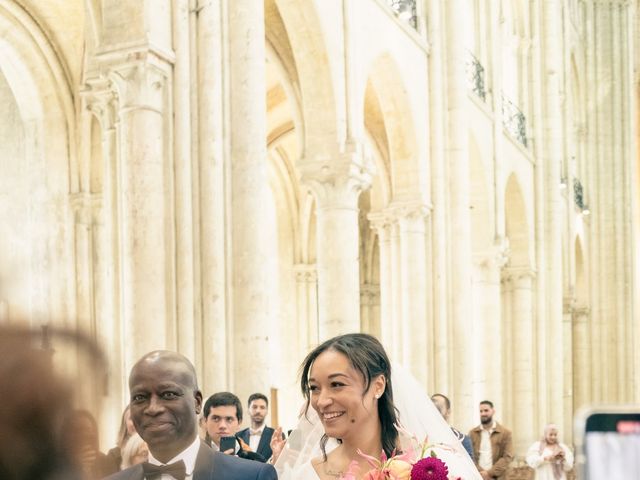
(334, 375)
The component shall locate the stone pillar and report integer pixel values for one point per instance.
(212, 200)
(307, 306)
(370, 308)
(415, 319)
(142, 170)
(458, 25)
(523, 362)
(250, 230)
(488, 330)
(336, 188)
(550, 331)
(581, 356)
(381, 223)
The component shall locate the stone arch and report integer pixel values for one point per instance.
(39, 83)
(389, 120)
(305, 53)
(517, 224)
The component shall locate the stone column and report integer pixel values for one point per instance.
(250, 230)
(307, 305)
(523, 364)
(381, 223)
(458, 26)
(143, 170)
(336, 188)
(581, 356)
(370, 308)
(212, 200)
(488, 328)
(413, 278)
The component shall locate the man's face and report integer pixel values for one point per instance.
(222, 421)
(258, 411)
(441, 405)
(486, 414)
(164, 405)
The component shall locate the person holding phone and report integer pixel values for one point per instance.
(550, 459)
(222, 415)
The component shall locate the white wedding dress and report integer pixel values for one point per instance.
(417, 415)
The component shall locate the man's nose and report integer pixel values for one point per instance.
(155, 406)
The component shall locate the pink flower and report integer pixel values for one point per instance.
(374, 475)
(430, 468)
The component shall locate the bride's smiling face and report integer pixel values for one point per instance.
(337, 392)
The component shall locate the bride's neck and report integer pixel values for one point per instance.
(369, 443)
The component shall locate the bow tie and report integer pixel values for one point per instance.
(177, 470)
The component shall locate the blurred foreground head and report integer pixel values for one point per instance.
(38, 394)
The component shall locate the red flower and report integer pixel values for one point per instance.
(430, 468)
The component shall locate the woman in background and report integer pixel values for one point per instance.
(134, 451)
(550, 459)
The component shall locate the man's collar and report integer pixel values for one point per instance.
(257, 431)
(188, 456)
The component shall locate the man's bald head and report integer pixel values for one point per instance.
(180, 362)
(165, 402)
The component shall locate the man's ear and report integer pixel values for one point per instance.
(198, 397)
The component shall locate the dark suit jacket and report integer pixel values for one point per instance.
(264, 447)
(212, 465)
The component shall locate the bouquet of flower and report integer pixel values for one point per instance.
(423, 461)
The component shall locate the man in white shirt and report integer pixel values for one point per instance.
(258, 436)
(165, 403)
(492, 445)
(222, 415)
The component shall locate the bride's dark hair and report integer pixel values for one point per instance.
(366, 354)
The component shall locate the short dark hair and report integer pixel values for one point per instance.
(367, 355)
(222, 399)
(257, 396)
(487, 402)
(444, 397)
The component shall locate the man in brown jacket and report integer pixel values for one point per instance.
(492, 447)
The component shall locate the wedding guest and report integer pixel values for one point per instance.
(37, 399)
(134, 451)
(165, 404)
(258, 435)
(124, 433)
(80, 436)
(222, 414)
(492, 444)
(550, 459)
(443, 404)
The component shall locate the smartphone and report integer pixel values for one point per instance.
(608, 442)
(227, 443)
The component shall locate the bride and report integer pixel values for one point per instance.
(347, 381)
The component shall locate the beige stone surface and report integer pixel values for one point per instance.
(239, 180)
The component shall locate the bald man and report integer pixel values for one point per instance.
(165, 403)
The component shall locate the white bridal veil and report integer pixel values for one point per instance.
(418, 416)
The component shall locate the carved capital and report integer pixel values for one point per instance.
(495, 257)
(381, 222)
(100, 99)
(140, 86)
(337, 179)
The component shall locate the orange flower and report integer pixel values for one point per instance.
(399, 469)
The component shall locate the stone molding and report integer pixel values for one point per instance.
(87, 208)
(306, 272)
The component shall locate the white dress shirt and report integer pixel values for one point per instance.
(254, 437)
(188, 456)
(485, 455)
